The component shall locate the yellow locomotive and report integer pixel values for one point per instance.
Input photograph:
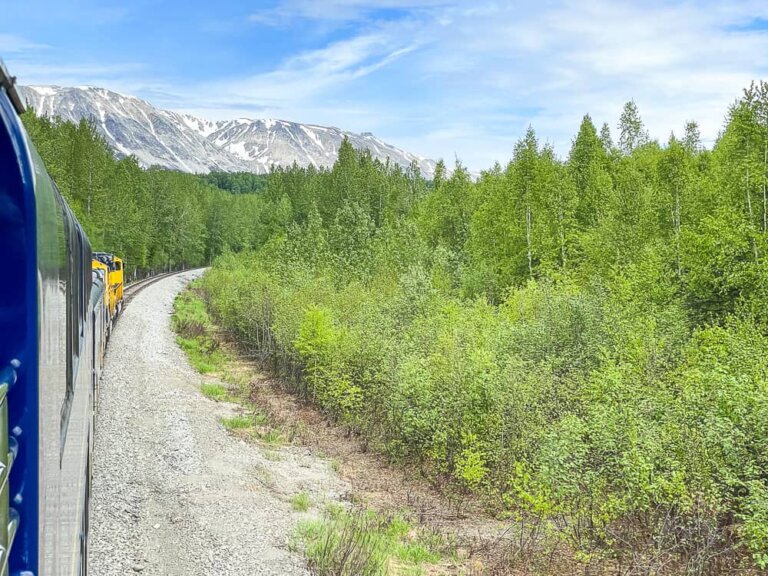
(112, 268)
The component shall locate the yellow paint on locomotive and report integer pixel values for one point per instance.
(114, 275)
(116, 281)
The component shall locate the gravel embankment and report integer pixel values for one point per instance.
(173, 493)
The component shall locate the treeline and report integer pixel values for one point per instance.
(155, 219)
(584, 342)
(237, 182)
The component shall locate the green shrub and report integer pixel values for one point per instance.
(193, 327)
(582, 343)
(301, 502)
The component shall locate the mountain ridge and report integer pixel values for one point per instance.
(181, 141)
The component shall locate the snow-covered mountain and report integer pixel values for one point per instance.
(183, 142)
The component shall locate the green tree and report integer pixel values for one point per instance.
(632, 133)
(588, 168)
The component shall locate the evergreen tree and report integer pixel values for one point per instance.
(605, 138)
(632, 133)
(587, 166)
(692, 137)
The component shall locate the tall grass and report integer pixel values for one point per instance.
(363, 543)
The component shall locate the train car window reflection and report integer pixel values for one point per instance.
(71, 276)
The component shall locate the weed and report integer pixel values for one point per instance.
(301, 502)
(271, 436)
(237, 422)
(193, 327)
(273, 456)
(214, 391)
(364, 543)
(260, 419)
(265, 477)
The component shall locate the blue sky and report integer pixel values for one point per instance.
(441, 78)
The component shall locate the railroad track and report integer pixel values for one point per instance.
(135, 287)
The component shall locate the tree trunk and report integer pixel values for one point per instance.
(90, 186)
(765, 200)
(528, 222)
(749, 208)
(676, 224)
(561, 219)
(749, 200)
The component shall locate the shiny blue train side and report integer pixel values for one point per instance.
(52, 339)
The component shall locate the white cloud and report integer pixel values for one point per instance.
(490, 69)
(468, 78)
(311, 80)
(553, 63)
(120, 77)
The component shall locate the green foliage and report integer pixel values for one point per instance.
(363, 543)
(583, 342)
(237, 182)
(301, 502)
(214, 391)
(631, 131)
(239, 422)
(193, 327)
(154, 219)
(271, 436)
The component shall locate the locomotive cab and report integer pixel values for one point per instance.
(114, 267)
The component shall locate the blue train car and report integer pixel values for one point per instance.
(50, 356)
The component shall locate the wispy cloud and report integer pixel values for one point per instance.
(307, 79)
(337, 10)
(496, 67)
(122, 77)
(679, 61)
(14, 44)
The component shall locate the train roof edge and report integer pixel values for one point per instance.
(9, 83)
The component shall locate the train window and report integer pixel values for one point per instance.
(72, 332)
(76, 245)
(84, 271)
(78, 277)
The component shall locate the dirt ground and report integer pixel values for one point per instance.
(472, 535)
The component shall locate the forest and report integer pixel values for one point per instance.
(581, 343)
(155, 219)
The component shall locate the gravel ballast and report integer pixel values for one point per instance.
(173, 493)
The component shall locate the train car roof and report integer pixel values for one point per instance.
(104, 257)
(9, 83)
